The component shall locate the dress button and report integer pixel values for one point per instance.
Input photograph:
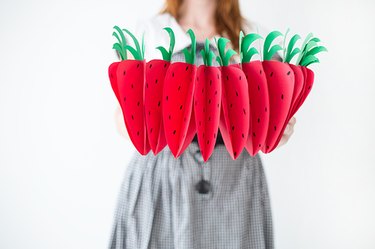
(203, 186)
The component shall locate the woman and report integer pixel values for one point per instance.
(184, 203)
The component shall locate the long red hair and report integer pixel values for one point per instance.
(228, 18)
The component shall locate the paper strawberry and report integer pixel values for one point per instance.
(207, 102)
(304, 77)
(178, 117)
(258, 94)
(234, 120)
(130, 79)
(120, 48)
(280, 80)
(155, 74)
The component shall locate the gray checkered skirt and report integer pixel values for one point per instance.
(161, 207)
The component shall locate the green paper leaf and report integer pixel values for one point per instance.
(269, 52)
(290, 51)
(249, 55)
(308, 60)
(118, 48)
(190, 56)
(164, 53)
(122, 42)
(137, 53)
(316, 50)
(303, 47)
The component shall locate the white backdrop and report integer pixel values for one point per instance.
(62, 160)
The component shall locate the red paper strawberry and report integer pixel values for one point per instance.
(130, 80)
(258, 94)
(207, 102)
(178, 117)
(120, 48)
(234, 120)
(280, 80)
(155, 75)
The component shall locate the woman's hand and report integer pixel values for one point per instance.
(287, 132)
(120, 123)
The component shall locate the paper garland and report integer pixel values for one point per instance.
(166, 104)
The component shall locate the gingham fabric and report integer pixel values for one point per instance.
(159, 206)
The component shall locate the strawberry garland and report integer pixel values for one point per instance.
(165, 103)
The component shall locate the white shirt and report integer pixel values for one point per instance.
(155, 35)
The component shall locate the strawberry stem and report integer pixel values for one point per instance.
(270, 52)
(309, 49)
(207, 54)
(224, 57)
(120, 45)
(290, 50)
(138, 53)
(190, 56)
(167, 55)
(246, 52)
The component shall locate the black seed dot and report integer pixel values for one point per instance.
(282, 96)
(309, 88)
(217, 76)
(208, 141)
(246, 76)
(174, 132)
(150, 65)
(227, 77)
(138, 65)
(243, 136)
(209, 101)
(202, 90)
(159, 103)
(146, 85)
(217, 105)
(265, 109)
(232, 127)
(138, 103)
(288, 73)
(111, 75)
(172, 74)
(209, 118)
(137, 133)
(151, 130)
(240, 78)
(132, 85)
(259, 145)
(231, 105)
(274, 127)
(203, 134)
(258, 120)
(169, 117)
(180, 107)
(244, 111)
(166, 98)
(267, 147)
(156, 81)
(204, 109)
(258, 88)
(187, 68)
(235, 153)
(165, 65)
(210, 82)
(216, 92)
(271, 74)
(124, 72)
(179, 88)
(132, 117)
(124, 98)
(260, 72)
(236, 93)
(149, 113)
(254, 134)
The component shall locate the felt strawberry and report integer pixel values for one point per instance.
(258, 94)
(155, 74)
(280, 80)
(178, 116)
(207, 102)
(130, 79)
(234, 120)
(120, 48)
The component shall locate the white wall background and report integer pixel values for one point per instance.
(62, 160)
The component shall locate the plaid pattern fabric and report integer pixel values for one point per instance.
(159, 206)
